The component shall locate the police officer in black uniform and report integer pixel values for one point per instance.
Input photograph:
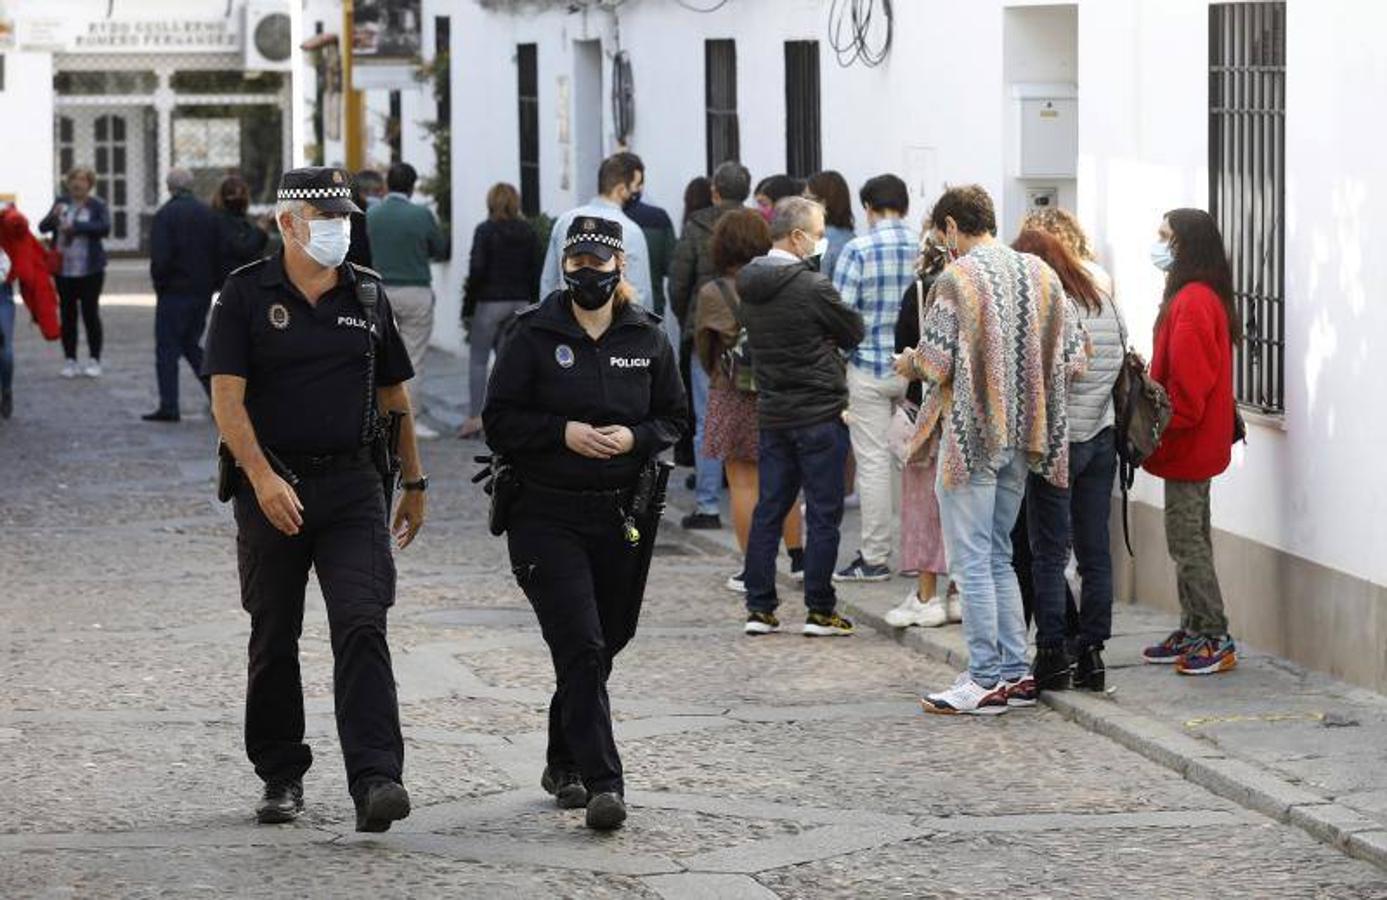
(297, 362)
(584, 393)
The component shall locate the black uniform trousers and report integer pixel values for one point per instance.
(574, 564)
(345, 540)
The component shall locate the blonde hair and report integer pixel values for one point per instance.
(1062, 224)
(81, 172)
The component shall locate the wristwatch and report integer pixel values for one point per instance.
(421, 485)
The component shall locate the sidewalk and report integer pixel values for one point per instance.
(1297, 746)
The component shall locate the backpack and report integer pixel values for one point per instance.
(1141, 410)
(736, 359)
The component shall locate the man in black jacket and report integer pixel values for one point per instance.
(184, 264)
(798, 330)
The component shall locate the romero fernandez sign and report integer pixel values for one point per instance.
(166, 34)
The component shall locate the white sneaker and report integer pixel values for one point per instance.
(93, 369)
(736, 584)
(967, 698)
(913, 612)
(955, 604)
(424, 432)
(70, 369)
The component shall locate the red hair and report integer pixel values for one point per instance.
(1075, 278)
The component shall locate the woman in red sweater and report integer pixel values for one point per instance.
(1195, 333)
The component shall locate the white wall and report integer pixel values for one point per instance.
(26, 167)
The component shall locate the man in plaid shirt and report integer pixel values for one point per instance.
(872, 275)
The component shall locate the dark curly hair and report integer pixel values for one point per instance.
(970, 206)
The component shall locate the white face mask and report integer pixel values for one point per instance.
(820, 247)
(328, 240)
(1161, 256)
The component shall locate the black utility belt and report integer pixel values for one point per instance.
(303, 464)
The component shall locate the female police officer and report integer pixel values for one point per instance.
(585, 392)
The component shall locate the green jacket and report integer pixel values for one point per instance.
(404, 238)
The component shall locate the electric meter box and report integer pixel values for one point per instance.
(1049, 144)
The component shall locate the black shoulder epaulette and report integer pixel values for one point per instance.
(655, 317)
(248, 266)
(366, 270)
(528, 311)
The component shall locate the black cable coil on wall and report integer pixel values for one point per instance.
(623, 96)
(852, 35)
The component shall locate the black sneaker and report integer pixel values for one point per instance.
(701, 521)
(762, 623)
(1089, 672)
(382, 802)
(1051, 669)
(6, 404)
(606, 811)
(860, 570)
(826, 625)
(565, 786)
(282, 802)
(161, 415)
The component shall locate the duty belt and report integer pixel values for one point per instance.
(320, 463)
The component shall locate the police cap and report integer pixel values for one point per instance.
(327, 188)
(593, 235)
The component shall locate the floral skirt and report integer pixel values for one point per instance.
(922, 536)
(730, 431)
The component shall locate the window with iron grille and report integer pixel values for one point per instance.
(527, 64)
(802, 144)
(720, 91)
(1247, 185)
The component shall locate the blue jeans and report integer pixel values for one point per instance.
(6, 337)
(707, 471)
(813, 458)
(977, 519)
(1081, 513)
(178, 324)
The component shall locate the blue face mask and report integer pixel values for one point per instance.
(1161, 256)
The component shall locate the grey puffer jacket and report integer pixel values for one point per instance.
(1090, 396)
(798, 329)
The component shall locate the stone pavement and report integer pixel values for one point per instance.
(757, 768)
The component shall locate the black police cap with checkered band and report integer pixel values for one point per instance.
(326, 188)
(593, 235)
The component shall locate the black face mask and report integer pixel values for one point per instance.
(592, 288)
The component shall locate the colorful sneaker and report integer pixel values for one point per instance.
(913, 612)
(1022, 692)
(737, 583)
(860, 570)
(967, 698)
(1168, 651)
(1208, 656)
(827, 625)
(762, 623)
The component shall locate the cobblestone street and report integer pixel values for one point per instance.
(773, 767)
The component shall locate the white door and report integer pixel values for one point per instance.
(111, 142)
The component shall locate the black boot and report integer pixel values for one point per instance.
(606, 811)
(1051, 669)
(565, 786)
(281, 802)
(381, 803)
(1089, 673)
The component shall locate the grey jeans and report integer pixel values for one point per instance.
(1190, 538)
(486, 325)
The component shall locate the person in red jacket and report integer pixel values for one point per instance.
(1195, 334)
